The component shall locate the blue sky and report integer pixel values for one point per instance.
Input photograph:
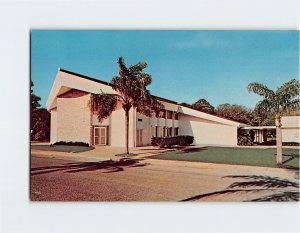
(185, 65)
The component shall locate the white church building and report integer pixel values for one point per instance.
(73, 120)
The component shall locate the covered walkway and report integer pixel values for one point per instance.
(261, 134)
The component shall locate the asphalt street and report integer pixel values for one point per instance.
(57, 179)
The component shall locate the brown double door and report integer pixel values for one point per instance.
(100, 136)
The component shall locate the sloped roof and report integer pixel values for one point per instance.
(66, 80)
(210, 117)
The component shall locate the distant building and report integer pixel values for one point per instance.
(290, 130)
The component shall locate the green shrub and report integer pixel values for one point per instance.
(245, 140)
(172, 141)
(290, 144)
(70, 143)
(245, 137)
(273, 143)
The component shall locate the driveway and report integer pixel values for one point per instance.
(65, 177)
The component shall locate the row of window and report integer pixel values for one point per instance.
(159, 131)
(166, 114)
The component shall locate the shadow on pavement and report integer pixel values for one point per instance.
(265, 182)
(283, 190)
(177, 150)
(108, 166)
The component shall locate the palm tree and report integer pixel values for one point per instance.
(284, 99)
(131, 87)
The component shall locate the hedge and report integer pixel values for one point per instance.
(70, 143)
(172, 141)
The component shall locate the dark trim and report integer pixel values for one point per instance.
(55, 108)
(72, 89)
(166, 100)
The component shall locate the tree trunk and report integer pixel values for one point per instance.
(278, 140)
(127, 131)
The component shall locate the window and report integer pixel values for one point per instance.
(161, 131)
(153, 114)
(153, 131)
(176, 131)
(176, 115)
(169, 114)
(169, 132)
(162, 114)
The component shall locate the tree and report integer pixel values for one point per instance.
(40, 118)
(284, 99)
(40, 125)
(204, 106)
(262, 118)
(131, 87)
(186, 105)
(234, 112)
(34, 98)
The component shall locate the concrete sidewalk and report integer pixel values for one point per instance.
(103, 153)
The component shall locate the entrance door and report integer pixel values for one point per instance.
(139, 137)
(100, 135)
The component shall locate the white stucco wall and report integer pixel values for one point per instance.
(290, 135)
(145, 124)
(207, 132)
(290, 128)
(73, 119)
(53, 126)
(96, 122)
(117, 127)
(64, 82)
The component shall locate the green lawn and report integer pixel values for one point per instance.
(62, 148)
(239, 156)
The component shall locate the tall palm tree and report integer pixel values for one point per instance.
(131, 87)
(284, 99)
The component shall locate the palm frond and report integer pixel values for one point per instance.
(137, 67)
(261, 90)
(288, 91)
(291, 86)
(117, 96)
(264, 106)
(104, 104)
(292, 105)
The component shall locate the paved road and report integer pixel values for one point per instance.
(58, 179)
